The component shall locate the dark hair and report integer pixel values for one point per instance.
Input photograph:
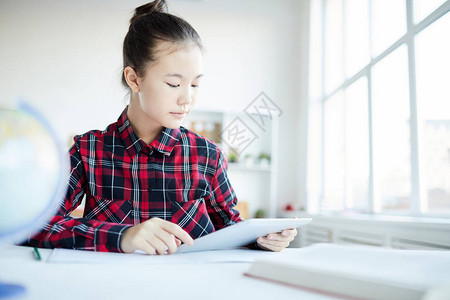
(150, 26)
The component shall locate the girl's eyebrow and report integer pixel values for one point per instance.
(181, 76)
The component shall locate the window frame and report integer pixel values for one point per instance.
(418, 197)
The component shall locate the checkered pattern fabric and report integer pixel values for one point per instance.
(180, 177)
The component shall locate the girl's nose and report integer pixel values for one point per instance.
(186, 97)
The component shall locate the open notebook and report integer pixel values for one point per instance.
(361, 272)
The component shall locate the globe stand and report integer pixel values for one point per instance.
(11, 290)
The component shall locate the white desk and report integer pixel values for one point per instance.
(210, 281)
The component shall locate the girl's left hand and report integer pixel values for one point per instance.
(276, 241)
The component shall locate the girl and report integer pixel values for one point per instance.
(149, 183)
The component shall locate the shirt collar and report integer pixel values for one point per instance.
(164, 142)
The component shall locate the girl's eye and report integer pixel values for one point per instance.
(173, 85)
(195, 85)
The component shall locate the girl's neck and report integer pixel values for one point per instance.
(146, 129)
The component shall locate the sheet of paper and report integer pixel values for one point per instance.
(60, 255)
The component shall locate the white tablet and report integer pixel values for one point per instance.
(241, 234)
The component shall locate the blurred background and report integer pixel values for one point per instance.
(359, 87)
(65, 57)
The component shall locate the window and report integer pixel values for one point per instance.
(357, 141)
(391, 132)
(379, 109)
(433, 98)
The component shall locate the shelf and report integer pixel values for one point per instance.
(255, 183)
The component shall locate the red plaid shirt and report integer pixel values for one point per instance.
(180, 177)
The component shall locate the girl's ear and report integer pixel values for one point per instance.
(131, 78)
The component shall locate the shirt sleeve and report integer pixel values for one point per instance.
(64, 231)
(223, 199)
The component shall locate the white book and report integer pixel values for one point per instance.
(361, 272)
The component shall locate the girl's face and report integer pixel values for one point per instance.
(170, 86)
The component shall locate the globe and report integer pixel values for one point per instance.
(33, 175)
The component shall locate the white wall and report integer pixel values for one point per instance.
(65, 57)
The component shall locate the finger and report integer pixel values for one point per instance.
(266, 248)
(269, 247)
(146, 247)
(279, 238)
(272, 244)
(156, 243)
(168, 239)
(178, 232)
(289, 232)
(178, 242)
(265, 241)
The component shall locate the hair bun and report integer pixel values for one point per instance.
(157, 6)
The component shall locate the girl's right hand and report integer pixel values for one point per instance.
(154, 235)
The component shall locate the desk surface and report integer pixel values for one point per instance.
(44, 280)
